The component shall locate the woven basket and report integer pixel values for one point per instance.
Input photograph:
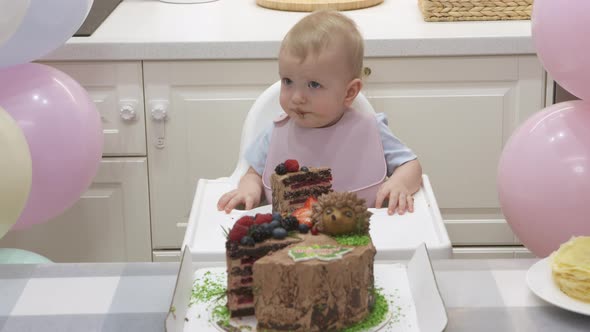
(475, 10)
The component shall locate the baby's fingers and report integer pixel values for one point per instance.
(237, 199)
(410, 203)
(402, 202)
(393, 198)
(222, 203)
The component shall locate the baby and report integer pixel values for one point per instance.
(320, 66)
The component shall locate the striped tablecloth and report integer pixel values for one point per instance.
(480, 295)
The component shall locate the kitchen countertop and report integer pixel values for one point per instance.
(479, 295)
(239, 29)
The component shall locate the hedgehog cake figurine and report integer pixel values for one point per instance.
(340, 213)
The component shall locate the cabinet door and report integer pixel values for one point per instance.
(457, 113)
(205, 104)
(117, 91)
(110, 222)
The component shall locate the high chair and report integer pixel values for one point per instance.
(395, 237)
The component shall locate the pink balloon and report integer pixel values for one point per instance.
(63, 129)
(544, 177)
(560, 31)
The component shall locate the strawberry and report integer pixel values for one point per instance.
(265, 218)
(246, 221)
(309, 202)
(237, 232)
(303, 215)
(292, 165)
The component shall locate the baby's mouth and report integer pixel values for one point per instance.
(301, 114)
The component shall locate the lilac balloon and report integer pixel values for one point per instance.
(46, 25)
(63, 129)
(544, 177)
(560, 31)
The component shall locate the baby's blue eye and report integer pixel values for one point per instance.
(287, 81)
(314, 85)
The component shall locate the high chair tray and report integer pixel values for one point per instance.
(395, 237)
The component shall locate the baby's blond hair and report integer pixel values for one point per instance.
(316, 31)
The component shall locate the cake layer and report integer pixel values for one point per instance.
(313, 295)
(291, 190)
(239, 262)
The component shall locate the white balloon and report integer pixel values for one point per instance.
(46, 25)
(11, 15)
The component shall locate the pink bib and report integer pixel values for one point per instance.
(352, 148)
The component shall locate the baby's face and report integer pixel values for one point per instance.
(313, 91)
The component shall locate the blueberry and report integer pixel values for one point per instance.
(303, 228)
(304, 169)
(247, 241)
(281, 169)
(274, 224)
(276, 216)
(279, 233)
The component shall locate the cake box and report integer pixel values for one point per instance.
(415, 303)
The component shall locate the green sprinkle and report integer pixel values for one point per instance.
(375, 317)
(207, 288)
(353, 240)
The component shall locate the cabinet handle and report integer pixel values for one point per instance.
(127, 109)
(159, 112)
(127, 112)
(367, 71)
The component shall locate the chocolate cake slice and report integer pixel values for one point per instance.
(291, 190)
(239, 262)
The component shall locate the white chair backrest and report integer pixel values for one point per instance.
(265, 109)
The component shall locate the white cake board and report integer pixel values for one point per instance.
(395, 237)
(417, 305)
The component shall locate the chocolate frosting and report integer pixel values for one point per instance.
(313, 295)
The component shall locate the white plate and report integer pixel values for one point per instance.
(391, 278)
(541, 283)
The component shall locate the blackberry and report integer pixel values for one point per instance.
(247, 241)
(259, 233)
(304, 169)
(279, 233)
(290, 223)
(281, 169)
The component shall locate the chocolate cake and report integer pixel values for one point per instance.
(308, 281)
(314, 294)
(291, 190)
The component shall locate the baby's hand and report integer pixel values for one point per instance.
(231, 199)
(399, 195)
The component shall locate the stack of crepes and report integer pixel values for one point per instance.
(570, 266)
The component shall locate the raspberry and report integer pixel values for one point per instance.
(237, 233)
(246, 221)
(260, 219)
(281, 169)
(314, 230)
(292, 165)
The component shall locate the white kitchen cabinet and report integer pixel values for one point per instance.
(109, 223)
(205, 104)
(457, 113)
(117, 90)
